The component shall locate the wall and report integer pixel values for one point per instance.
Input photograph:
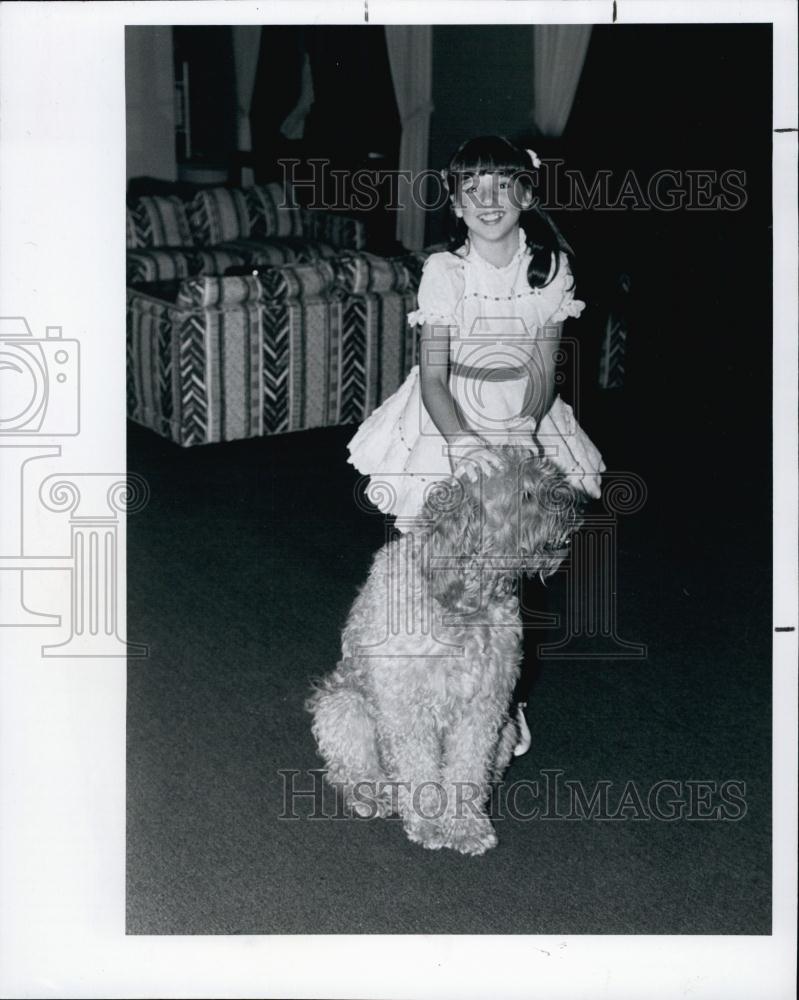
(150, 102)
(482, 84)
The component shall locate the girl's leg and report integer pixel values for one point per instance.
(534, 600)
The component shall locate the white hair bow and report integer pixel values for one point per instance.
(534, 157)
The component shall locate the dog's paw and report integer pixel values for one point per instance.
(425, 832)
(373, 809)
(370, 807)
(472, 835)
(366, 800)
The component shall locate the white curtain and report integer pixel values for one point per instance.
(410, 53)
(294, 125)
(246, 46)
(558, 57)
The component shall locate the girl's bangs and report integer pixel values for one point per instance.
(488, 165)
(487, 156)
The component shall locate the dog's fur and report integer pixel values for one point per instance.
(415, 719)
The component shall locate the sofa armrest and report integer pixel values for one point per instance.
(194, 364)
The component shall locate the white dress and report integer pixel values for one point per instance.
(494, 322)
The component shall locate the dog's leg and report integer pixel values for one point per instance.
(419, 799)
(479, 740)
(470, 749)
(345, 735)
(411, 751)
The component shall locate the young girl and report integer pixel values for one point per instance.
(491, 310)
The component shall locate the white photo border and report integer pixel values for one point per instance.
(62, 735)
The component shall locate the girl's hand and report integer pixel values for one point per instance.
(470, 454)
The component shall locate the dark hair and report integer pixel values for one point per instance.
(494, 154)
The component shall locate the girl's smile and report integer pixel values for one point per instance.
(491, 218)
(490, 206)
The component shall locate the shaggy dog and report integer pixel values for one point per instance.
(415, 720)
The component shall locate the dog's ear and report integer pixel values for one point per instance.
(454, 541)
(569, 508)
(561, 507)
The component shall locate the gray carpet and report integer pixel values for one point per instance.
(240, 574)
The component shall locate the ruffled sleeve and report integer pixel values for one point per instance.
(440, 291)
(563, 289)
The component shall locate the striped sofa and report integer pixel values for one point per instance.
(301, 345)
(169, 238)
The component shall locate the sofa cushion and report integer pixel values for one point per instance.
(284, 250)
(270, 212)
(170, 263)
(359, 273)
(160, 221)
(167, 264)
(217, 260)
(203, 291)
(341, 230)
(219, 214)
